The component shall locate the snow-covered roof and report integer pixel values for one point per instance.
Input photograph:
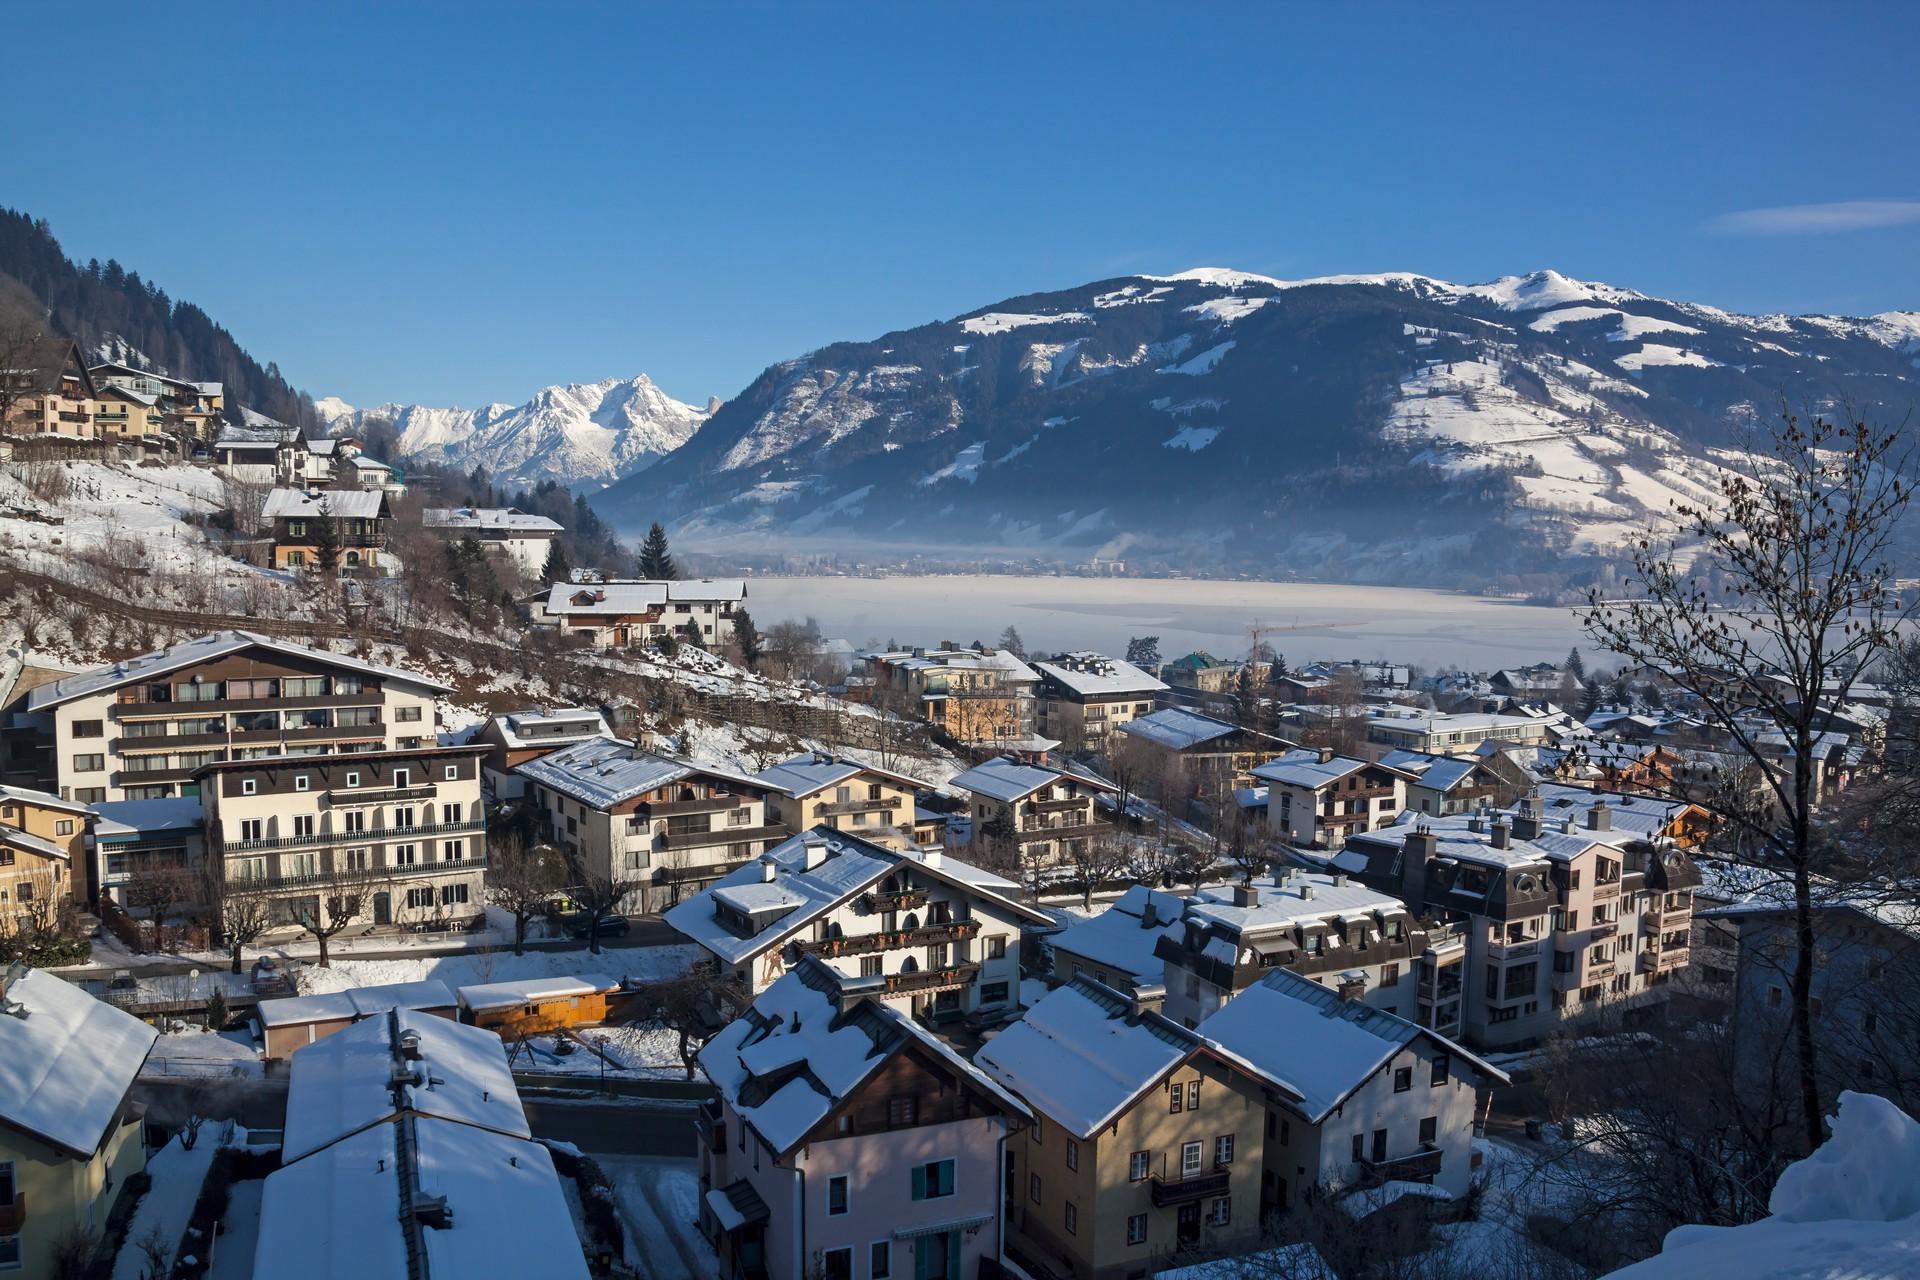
(355, 1002)
(604, 772)
(30, 843)
(503, 520)
(342, 1213)
(218, 644)
(1177, 728)
(1080, 1055)
(506, 995)
(123, 818)
(999, 660)
(40, 799)
(1300, 1261)
(1006, 779)
(1094, 675)
(1322, 1046)
(265, 434)
(849, 866)
(1305, 768)
(1119, 937)
(621, 596)
(810, 771)
(351, 504)
(790, 1060)
(1284, 902)
(513, 724)
(1435, 773)
(363, 1074)
(69, 1061)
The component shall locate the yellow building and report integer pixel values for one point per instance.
(120, 413)
(43, 851)
(69, 1138)
(1147, 1144)
(815, 790)
(977, 696)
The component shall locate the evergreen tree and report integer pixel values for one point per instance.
(1278, 671)
(326, 544)
(747, 636)
(1011, 642)
(655, 561)
(1144, 651)
(470, 574)
(1576, 665)
(557, 569)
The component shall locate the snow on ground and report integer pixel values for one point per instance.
(1202, 363)
(1654, 354)
(625, 1053)
(177, 1177)
(233, 1249)
(196, 1052)
(1003, 321)
(1192, 439)
(643, 964)
(659, 1202)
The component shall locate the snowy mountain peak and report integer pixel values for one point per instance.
(579, 434)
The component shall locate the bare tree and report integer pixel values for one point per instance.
(1096, 862)
(158, 889)
(522, 879)
(346, 898)
(245, 913)
(694, 1005)
(21, 346)
(1797, 543)
(599, 896)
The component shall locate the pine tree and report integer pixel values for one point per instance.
(747, 636)
(1010, 641)
(1576, 664)
(556, 569)
(1144, 651)
(655, 561)
(326, 544)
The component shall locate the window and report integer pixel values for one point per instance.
(1176, 1096)
(1137, 1165)
(1137, 1228)
(870, 966)
(303, 824)
(902, 1109)
(452, 850)
(421, 897)
(739, 817)
(1073, 1154)
(1429, 1129)
(1190, 1158)
(1070, 1217)
(296, 528)
(357, 860)
(1441, 1065)
(452, 774)
(1220, 1213)
(247, 786)
(1033, 1187)
(1286, 1133)
(403, 777)
(1379, 1145)
(407, 715)
(1223, 1149)
(63, 827)
(1774, 996)
(1193, 1095)
(1359, 1146)
(451, 894)
(993, 993)
(252, 828)
(837, 1195)
(353, 777)
(9, 1253)
(403, 816)
(837, 1264)
(89, 763)
(449, 814)
(997, 947)
(406, 855)
(880, 1259)
(1402, 1079)
(88, 728)
(356, 820)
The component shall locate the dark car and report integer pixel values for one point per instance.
(610, 927)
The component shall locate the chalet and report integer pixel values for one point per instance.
(50, 391)
(1318, 800)
(190, 408)
(848, 1142)
(1448, 784)
(1033, 815)
(633, 614)
(816, 790)
(360, 518)
(43, 853)
(980, 697)
(312, 462)
(250, 453)
(1211, 754)
(122, 414)
(1083, 697)
(523, 540)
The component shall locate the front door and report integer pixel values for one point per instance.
(1187, 1225)
(383, 908)
(936, 1256)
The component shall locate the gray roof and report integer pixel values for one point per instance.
(504, 520)
(604, 772)
(1177, 728)
(202, 649)
(808, 772)
(1305, 768)
(640, 595)
(362, 504)
(1094, 675)
(1007, 779)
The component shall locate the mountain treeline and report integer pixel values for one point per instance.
(95, 302)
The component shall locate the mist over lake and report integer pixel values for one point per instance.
(1302, 621)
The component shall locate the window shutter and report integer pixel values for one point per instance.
(921, 1255)
(953, 1253)
(919, 1182)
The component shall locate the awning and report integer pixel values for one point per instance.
(737, 1206)
(934, 1228)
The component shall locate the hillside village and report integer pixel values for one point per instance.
(372, 817)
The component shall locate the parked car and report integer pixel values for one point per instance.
(610, 926)
(269, 979)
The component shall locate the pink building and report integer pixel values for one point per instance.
(848, 1143)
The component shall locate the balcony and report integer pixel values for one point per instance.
(832, 948)
(1199, 1186)
(1408, 1168)
(67, 415)
(907, 900)
(1513, 950)
(380, 795)
(369, 879)
(1672, 957)
(958, 975)
(720, 835)
(375, 835)
(1595, 969)
(839, 807)
(674, 808)
(131, 709)
(1059, 806)
(1606, 892)
(1078, 831)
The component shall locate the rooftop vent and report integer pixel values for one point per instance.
(433, 1211)
(1501, 834)
(813, 852)
(768, 869)
(1246, 895)
(410, 1045)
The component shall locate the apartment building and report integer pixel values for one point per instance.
(1322, 926)
(1147, 1138)
(132, 838)
(388, 839)
(668, 826)
(43, 851)
(935, 936)
(980, 697)
(1319, 800)
(1444, 733)
(632, 614)
(360, 520)
(1082, 697)
(139, 729)
(848, 1143)
(515, 737)
(1031, 813)
(1449, 784)
(816, 790)
(70, 1137)
(522, 539)
(124, 415)
(1213, 755)
(1119, 947)
(1370, 1097)
(51, 391)
(1564, 916)
(191, 409)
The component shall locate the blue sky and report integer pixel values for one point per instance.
(462, 203)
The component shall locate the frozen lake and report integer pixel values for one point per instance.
(1302, 621)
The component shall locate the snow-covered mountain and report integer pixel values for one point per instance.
(1381, 427)
(582, 435)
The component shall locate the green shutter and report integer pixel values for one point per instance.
(920, 1255)
(919, 1182)
(953, 1254)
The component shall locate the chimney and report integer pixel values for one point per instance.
(1246, 894)
(813, 852)
(1149, 913)
(1501, 832)
(1353, 985)
(410, 1045)
(1600, 817)
(1326, 754)
(1148, 997)
(1306, 893)
(1527, 821)
(1339, 879)
(931, 858)
(768, 869)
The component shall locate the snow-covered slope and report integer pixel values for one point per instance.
(582, 435)
(1370, 427)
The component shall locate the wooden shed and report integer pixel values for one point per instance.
(296, 1021)
(534, 1006)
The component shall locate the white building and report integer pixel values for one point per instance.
(1318, 800)
(630, 614)
(522, 538)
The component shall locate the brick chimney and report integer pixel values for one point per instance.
(1600, 817)
(1527, 821)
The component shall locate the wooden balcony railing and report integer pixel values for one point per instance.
(861, 944)
(860, 806)
(958, 975)
(720, 835)
(1420, 1164)
(374, 835)
(1199, 1186)
(907, 900)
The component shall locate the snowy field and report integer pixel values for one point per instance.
(643, 964)
(195, 1053)
(164, 1210)
(1304, 621)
